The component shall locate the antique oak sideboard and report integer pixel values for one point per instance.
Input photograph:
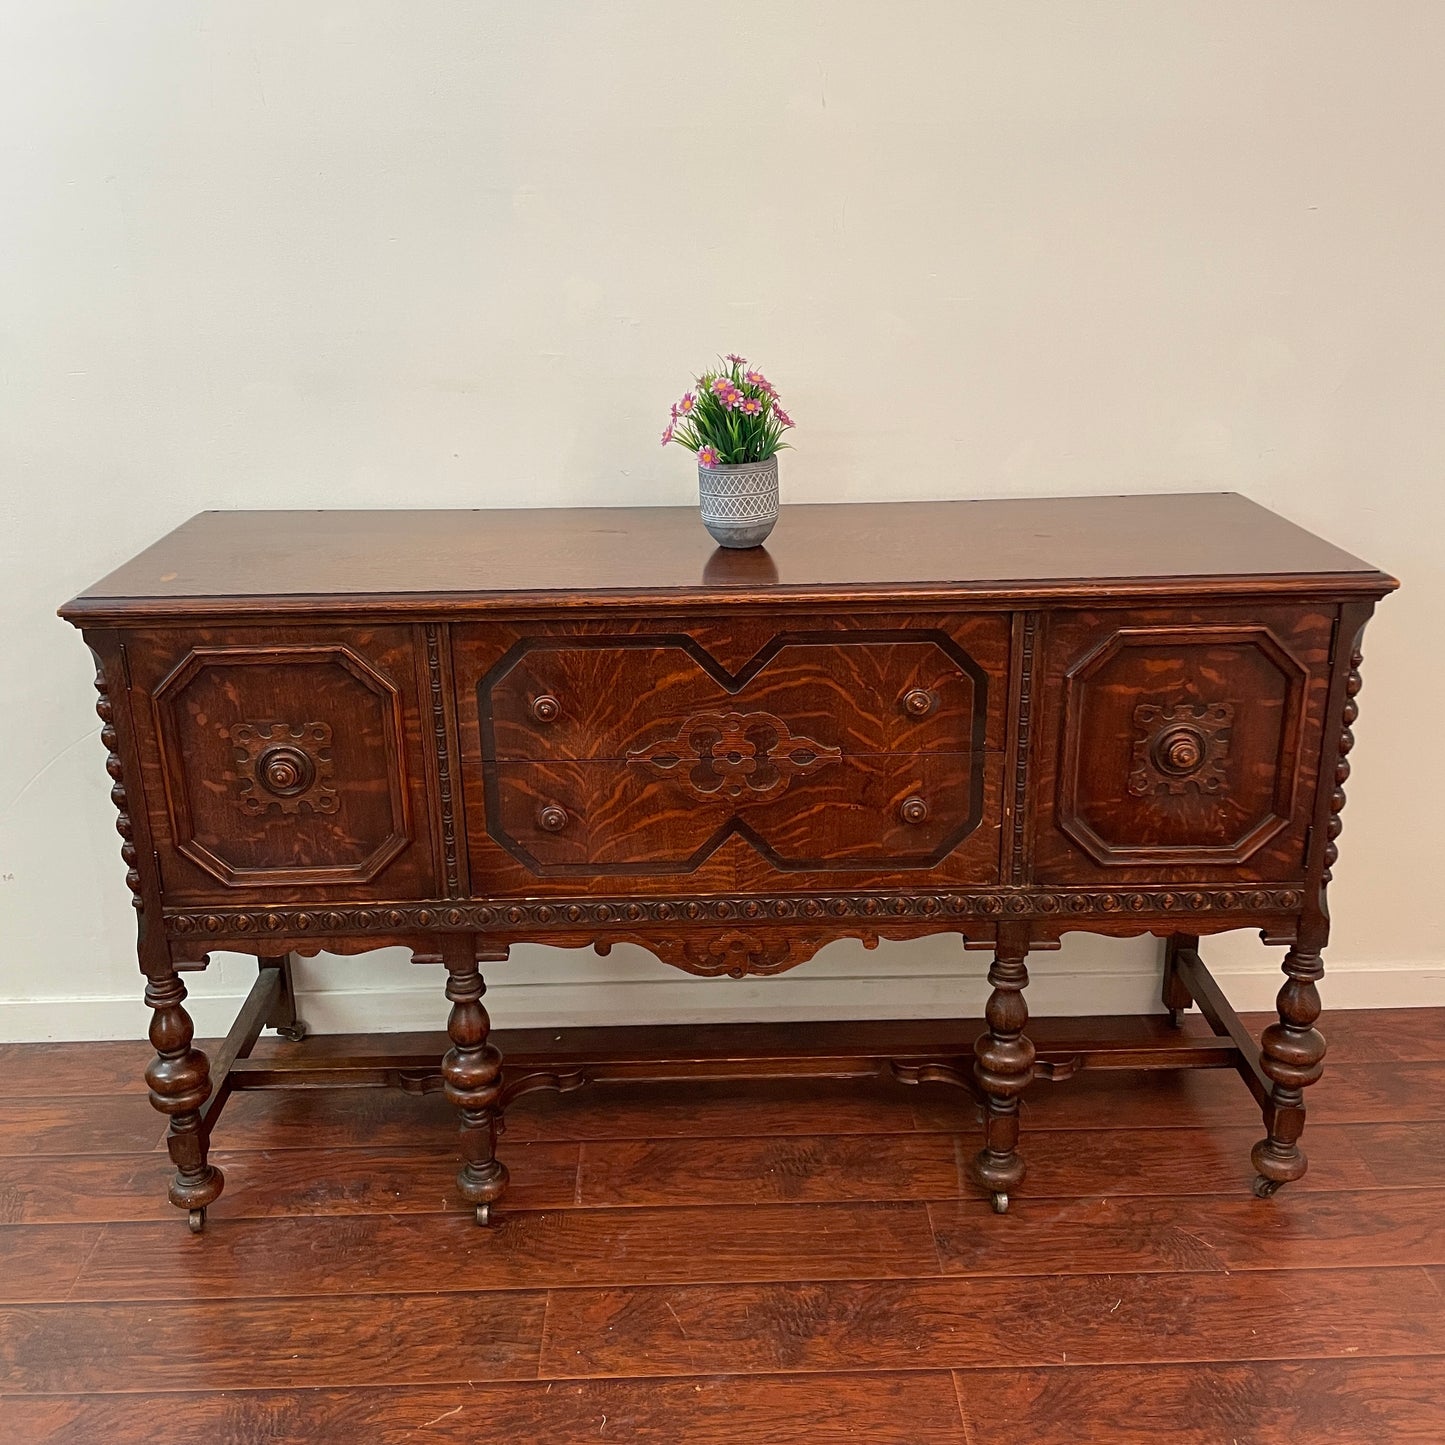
(457, 731)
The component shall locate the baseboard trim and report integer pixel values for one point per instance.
(687, 1000)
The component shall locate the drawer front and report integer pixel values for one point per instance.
(557, 699)
(284, 759)
(769, 753)
(1180, 745)
(838, 812)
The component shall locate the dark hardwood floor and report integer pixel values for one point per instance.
(785, 1262)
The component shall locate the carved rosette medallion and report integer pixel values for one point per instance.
(1180, 748)
(284, 766)
(735, 755)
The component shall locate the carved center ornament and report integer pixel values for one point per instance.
(733, 754)
(284, 766)
(1181, 747)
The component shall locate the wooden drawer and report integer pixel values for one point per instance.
(600, 698)
(775, 753)
(841, 812)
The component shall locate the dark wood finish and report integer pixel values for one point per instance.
(1143, 1294)
(454, 732)
(894, 1409)
(440, 562)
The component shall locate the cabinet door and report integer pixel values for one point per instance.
(1179, 744)
(288, 758)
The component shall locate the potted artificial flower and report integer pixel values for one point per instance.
(734, 424)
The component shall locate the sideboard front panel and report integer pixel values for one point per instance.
(1180, 745)
(286, 760)
(773, 753)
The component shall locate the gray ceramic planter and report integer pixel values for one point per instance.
(739, 503)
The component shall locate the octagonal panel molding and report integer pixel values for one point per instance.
(1180, 744)
(283, 765)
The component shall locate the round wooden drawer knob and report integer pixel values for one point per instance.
(913, 810)
(917, 702)
(546, 708)
(552, 817)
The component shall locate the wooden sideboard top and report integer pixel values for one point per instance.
(277, 562)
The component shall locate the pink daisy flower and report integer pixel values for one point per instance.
(781, 415)
(757, 379)
(737, 360)
(667, 436)
(708, 457)
(750, 406)
(685, 406)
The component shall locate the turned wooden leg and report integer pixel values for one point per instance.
(472, 1080)
(180, 1083)
(1292, 1053)
(1177, 998)
(283, 1017)
(1003, 1066)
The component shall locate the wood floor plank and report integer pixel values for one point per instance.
(40, 1263)
(79, 1188)
(247, 1344)
(1360, 1229)
(50, 1070)
(83, 1125)
(407, 1253)
(1144, 1099)
(1204, 1161)
(884, 1409)
(933, 1166)
(1344, 1402)
(710, 1109)
(1403, 1153)
(335, 1118)
(787, 1169)
(938, 1324)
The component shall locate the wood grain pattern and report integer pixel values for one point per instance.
(261, 1183)
(933, 1166)
(925, 1324)
(1201, 1317)
(299, 561)
(359, 1339)
(78, 1125)
(42, 1263)
(1284, 1402)
(409, 1253)
(887, 1409)
(1351, 1230)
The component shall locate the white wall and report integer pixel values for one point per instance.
(460, 254)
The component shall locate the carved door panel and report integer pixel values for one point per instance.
(1181, 745)
(286, 759)
(783, 753)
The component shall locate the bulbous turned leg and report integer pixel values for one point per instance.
(472, 1080)
(1003, 1066)
(1292, 1054)
(180, 1083)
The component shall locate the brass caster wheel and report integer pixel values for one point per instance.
(293, 1033)
(1000, 1203)
(1263, 1187)
(197, 1220)
(484, 1215)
